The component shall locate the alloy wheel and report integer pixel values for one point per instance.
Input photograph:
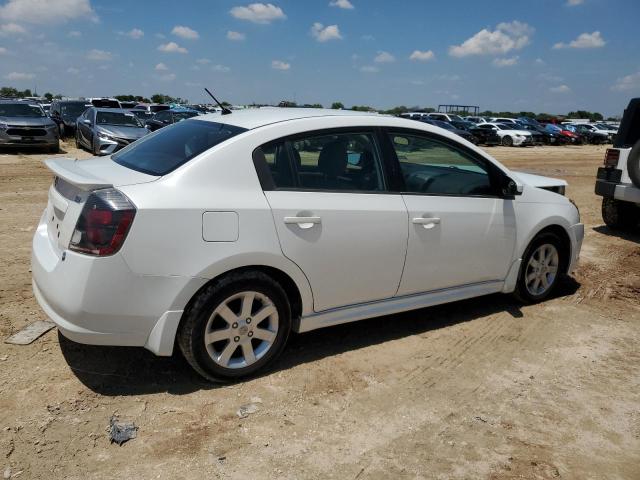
(542, 269)
(241, 330)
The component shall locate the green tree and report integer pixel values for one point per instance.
(337, 105)
(48, 96)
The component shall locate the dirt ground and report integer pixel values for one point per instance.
(480, 389)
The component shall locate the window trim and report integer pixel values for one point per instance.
(495, 174)
(266, 179)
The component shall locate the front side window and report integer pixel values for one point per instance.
(434, 167)
(170, 147)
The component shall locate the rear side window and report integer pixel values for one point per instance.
(170, 147)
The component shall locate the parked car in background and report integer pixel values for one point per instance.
(104, 102)
(143, 115)
(476, 120)
(455, 120)
(220, 235)
(509, 135)
(589, 135)
(567, 135)
(611, 130)
(127, 105)
(485, 136)
(468, 136)
(46, 107)
(600, 130)
(65, 113)
(169, 117)
(618, 181)
(541, 136)
(151, 108)
(503, 120)
(104, 131)
(24, 124)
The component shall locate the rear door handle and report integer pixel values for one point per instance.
(303, 222)
(426, 222)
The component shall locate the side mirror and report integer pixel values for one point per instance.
(511, 188)
(86, 121)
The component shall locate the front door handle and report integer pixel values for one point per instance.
(303, 222)
(427, 223)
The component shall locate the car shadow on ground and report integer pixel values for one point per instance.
(115, 371)
(632, 236)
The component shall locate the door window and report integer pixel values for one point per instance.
(434, 167)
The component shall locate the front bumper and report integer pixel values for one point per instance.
(107, 146)
(100, 301)
(577, 236)
(25, 137)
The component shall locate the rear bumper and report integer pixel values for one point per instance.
(608, 185)
(100, 301)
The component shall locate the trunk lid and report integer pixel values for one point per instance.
(74, 181)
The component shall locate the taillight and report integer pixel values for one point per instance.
(103, 224)
(611, 157)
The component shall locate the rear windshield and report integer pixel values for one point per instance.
(20, 110)
(73, 109)
(168, 148)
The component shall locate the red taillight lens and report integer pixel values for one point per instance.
(103, 224)
(611, 157)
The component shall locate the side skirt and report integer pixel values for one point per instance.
(337, 316)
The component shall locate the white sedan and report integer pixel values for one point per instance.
(509, 135)
(223, 234)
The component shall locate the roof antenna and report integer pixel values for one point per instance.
(225, 110)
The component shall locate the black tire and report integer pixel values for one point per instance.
(190, 336)
(633, 164)
(523, 293)
(620, 215)
(507, 141)
(61, 130)
(55, 149)
(78, 145)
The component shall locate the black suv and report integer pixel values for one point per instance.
(65, 113)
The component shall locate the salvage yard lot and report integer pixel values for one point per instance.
(476, 389)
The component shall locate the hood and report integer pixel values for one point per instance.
(27, 121)
(132, 133)
(538, 180)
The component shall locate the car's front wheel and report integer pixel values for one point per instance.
(236, 326)
(507, 141)
(542, 267)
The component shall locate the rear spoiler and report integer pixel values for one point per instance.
(71, 170)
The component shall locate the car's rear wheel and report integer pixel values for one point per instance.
(507, 141)
(542, 266)
(620, 215)
(236, 326)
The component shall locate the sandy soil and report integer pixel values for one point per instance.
(481, 389)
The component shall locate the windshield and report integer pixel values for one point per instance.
(142, 114)
(170, 147)
(455, 117)
(179, 116)
(73, 109)
(118, 118)
(445, 125)
(20, 110)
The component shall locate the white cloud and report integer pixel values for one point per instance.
(324, 34)
(505, 62)
(19, 76)
(560, 89)
(345, 4)
(172, 47)
(573, 3)
(220, 68)
(539, 61)
(422, 56)
(3, 51)
(280, 65)
(384, 57)
(185, 32)
(74, 34)
(46, 11)
(506, 37)
(203, 61)
(99, 55)
(134, 33)
(368, 38)
(369, 69)
(235, 36)
(258, 13)
(584, 40)
(161, 67)
(12, 29)
(73, 70)
(628, 82)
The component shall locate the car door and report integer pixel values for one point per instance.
(334, 216)
(85, 130)
(461, 230)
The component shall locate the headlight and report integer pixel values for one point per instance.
(105, 136)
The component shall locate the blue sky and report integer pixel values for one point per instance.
(540, 55)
